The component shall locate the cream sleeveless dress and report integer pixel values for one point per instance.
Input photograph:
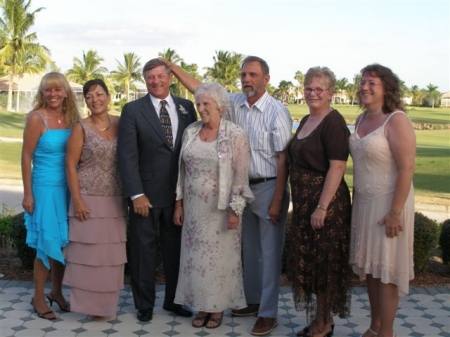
(374, 178)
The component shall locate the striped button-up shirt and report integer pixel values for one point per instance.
(268, 125)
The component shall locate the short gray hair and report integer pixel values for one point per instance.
(262, 63)
(214, 91)
(321, 72)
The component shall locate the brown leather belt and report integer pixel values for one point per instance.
(260, 180)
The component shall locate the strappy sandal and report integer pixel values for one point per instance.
(62, 307)
(370, 331)
(201, 319)
(43, 315)
(216, 320)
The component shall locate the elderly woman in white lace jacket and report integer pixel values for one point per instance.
(212, 192)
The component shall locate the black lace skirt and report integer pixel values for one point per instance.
(318, 259)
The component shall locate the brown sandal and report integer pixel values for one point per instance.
(201, 319)
(216, 320)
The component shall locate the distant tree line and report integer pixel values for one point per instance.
(21, 53)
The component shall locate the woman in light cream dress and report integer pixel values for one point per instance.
(383, 149)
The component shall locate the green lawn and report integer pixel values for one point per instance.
(432, 174)
(10, 160)
(432, 178)
(11, 124)
(350, 112)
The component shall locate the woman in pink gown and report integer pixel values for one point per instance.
(97, 226)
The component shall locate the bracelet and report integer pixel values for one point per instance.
(395, 212)
(179, 206)
(322, 208)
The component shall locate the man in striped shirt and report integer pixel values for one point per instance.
(268, 125)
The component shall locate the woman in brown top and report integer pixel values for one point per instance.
(97, 228)
(320, 227)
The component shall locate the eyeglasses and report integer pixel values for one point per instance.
(370, 84)
(318, 91)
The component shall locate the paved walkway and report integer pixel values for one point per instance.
(425, 312)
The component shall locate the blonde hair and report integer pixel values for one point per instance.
(57, 80)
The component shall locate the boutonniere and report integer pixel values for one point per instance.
(183, 111)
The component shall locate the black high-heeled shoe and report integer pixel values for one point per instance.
(305, 331)
(43, 315)
(62, 307)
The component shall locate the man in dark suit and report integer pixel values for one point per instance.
(148, 151)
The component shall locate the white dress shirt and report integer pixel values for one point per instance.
(171, 109)
(268, 125)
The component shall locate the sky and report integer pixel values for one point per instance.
(410, 37)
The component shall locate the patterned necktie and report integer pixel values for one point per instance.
(164, 119)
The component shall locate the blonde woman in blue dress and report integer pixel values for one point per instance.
(46, 195)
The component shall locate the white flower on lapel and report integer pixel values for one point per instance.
(183, 111)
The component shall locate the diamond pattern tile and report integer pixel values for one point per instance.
(423, 313)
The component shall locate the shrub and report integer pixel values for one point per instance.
(27, 254)
(444, 241)
(6, 227)
(425, 239)
(19, 236)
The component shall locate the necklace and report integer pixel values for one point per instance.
(58, 119)
(102, 129)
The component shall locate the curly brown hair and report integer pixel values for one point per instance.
(57, 80)
(391, 84)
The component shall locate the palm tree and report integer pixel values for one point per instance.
(299, 77)
(432, 94)
(226, 70)
(270, 89)
(284, 89)
(27, 63)
(88, 68)
(172, 56)
(128, 72)
(421, 96)
(15, 39)
(352, 88)
(405, 90)
(191, 69)
(3, 69)
(341, 85)
(414, 90)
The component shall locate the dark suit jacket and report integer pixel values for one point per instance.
(147, 164)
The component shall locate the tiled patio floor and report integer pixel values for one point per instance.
(425, 312)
